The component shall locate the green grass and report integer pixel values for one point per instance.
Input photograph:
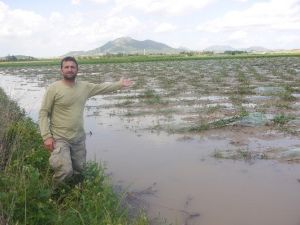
(26, 195)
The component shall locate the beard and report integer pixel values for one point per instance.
(70, 76)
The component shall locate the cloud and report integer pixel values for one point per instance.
(30, 33)
(77, 32)
(55, 33)
(257, 25)
(99, 1)
(75, 2)
(162, 6)
(17, 22)
(113, 27)
(164, 27)
(274, 14)
(237, 35)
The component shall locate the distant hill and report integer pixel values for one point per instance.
(219, 48)
(257, 49)
(75, 53)
(128, 45)
(223, 48)
(17, 58)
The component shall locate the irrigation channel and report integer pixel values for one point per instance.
(202, 142)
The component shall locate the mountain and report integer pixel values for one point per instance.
(219, 48)
(257, 49)
(75, 53)
(128, 45)
(223, 48)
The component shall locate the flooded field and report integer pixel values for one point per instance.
(201, 142)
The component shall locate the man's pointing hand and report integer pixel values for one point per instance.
(126, 82)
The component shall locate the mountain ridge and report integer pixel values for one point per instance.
(224, 48)
(128, 45)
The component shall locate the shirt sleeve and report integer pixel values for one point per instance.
(97, 89)
(45, 112)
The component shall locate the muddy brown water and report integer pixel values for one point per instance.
(177, 176)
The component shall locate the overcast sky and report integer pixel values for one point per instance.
(52, 28)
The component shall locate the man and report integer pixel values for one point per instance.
(61, 119)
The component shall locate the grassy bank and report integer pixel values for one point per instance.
(26, 195)
(143, 58)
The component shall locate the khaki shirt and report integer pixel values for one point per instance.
(61, 113)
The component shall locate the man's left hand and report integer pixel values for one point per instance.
(126, 82)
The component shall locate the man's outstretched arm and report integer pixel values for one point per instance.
(97, 89)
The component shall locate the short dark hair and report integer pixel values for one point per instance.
(68, 58)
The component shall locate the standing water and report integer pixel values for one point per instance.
(187, 178)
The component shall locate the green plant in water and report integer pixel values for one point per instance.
(212, 109)
(282, 119)
(244, 154)
(218, 154)
(243, 112)
(286, 95)
(223, 122)
(151, 97)
(197, 128)
(236, 99)
(244, 89)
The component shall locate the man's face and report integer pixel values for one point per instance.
(69, 70)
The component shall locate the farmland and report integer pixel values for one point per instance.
(186, 120)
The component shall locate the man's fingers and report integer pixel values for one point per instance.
(126, 82)
(49, 144)
(49, 147)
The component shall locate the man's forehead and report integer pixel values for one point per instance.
(68, 63)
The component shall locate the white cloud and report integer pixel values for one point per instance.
(55, 17)
(274, 14)
(164, 27)
(79, 33)
(18, 23)
(113, 27)
(58, 32)
(3, 10)
(99, 1)
(30, 33)
(75, 2)
(162, 6)
(257, 25)
(237, 35)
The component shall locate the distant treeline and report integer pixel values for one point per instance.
(235, 52)
(119, 58)
(12, 58)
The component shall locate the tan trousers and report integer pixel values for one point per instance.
(67, 159)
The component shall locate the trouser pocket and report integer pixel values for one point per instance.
(55, 159)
